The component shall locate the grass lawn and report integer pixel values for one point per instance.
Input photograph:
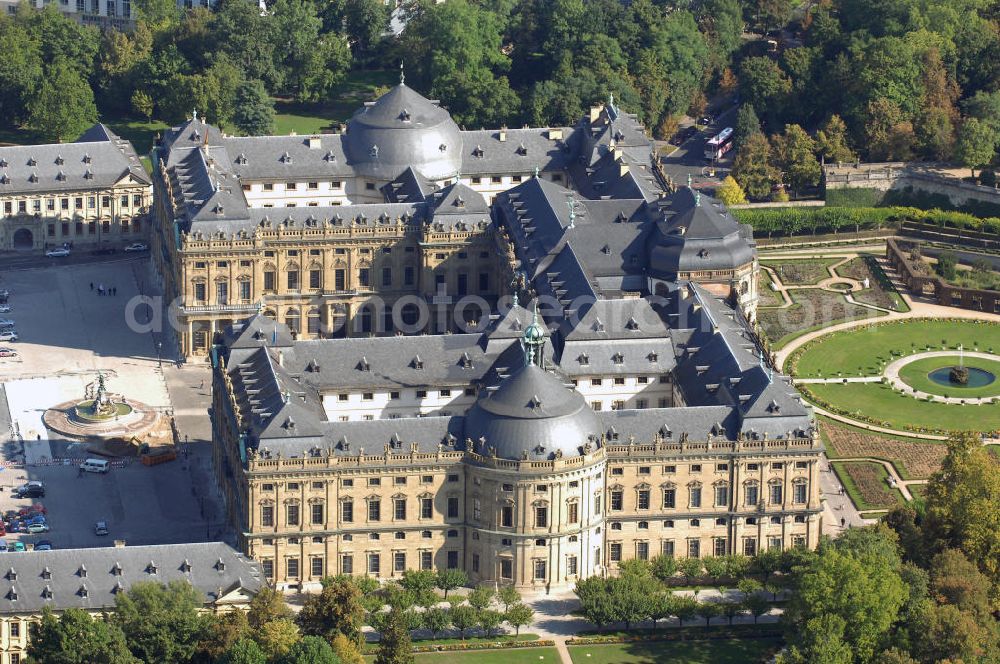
(902, 411)
(801, 272)
(864, 347)
(919, 491)
(915, 375)
(140, 132)
(866, 484)
(721, 651)
(357, 88)
(768, 296)
(911, 457)
(511, 656)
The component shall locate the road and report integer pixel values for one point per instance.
(23, 260)
(689, 158)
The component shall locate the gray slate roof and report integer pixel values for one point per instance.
(91, 578)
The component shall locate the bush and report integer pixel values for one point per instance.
(988, 177)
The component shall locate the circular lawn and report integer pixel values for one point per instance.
(917, 375)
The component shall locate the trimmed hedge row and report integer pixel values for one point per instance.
(492, 645)
(759, 631)
(802, 220)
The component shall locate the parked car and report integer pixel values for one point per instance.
(34, 520)
(9, 336)
(36, 528)
(43, 545)
(33, 489)
(7, 352)
(57, 253)
(32, 510)
(706, 120)
(683, 135)
(6, 321)
(95, 466)
(6, 308)
(137, 246)
(17, 546)
(101, 528)
(3, 546)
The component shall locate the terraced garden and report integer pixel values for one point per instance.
(912, 459)
(866, 484)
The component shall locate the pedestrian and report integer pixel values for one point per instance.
(91, 285)
(115, 291)
(202, 386)
(843, 522)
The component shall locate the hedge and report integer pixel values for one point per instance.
(854, 197)
(668, 634)
(797, 221)
(484, 645)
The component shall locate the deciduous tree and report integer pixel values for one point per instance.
(336, 609)
(449, 579)
(75, 638)
(63, 105)
(161, 623)
(519, 615)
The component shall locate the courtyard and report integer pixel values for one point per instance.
(68, 334)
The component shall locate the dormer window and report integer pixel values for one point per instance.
(618, 358)
(521, 150)
(417, 363)
(535, 403)
(598, 326)
(466, 361)
(151, 568)
(60, 161)
(47, 592)
(478, 152)
(459, 202)
(12, 594)
(584, 359)
(186, 566)
(88, 175)
(632, 324)
(652, 357)
(773, 407)
(665, 431)
(330, 156)
(3, 163)
(83, 592)
(606, 250)
(46, 573)
(363, 365)
(60, 176)
(86, 158)
(220, 565)
(4, 179)
(117, 569)
(443, 147)
(373, 151)
(404, 115)
(82, 572)
(33, 177)
(286, 158)
(241, 159)
(32, 162)
(11, 574)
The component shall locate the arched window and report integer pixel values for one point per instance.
(313, 321)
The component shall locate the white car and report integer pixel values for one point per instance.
(9, 336)
(6, 322)
(7, 352)
(137, 246)
(57, 253)
(6, 308)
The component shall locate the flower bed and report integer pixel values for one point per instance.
(913, 460)
(483, 645)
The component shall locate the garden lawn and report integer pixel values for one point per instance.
(812, 309)
(802, 272)
(911, 457)
(866, 484)
(901, 411)
(510, 656)
(720, 651)
(768, 296)
(139, 132)
(915, 375)
(864, 347)
(358, 87)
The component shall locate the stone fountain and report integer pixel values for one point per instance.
(102, 415)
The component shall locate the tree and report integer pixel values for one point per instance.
(436, 620)
(794, 154)
(661, 607)
(266, 606)
(311, 62)
(519, 615)
(685, 608)
(420, 583)
(142, 104)
(243, 651)
(76, 638)
(250, 40)
(752, 168)
(730, 192)
(222, 632)
(335, 609)
(463, 617)
(347, 651)
(394, 645)
(663, 567)
(731, 609)
(160, 15)
(821, 642)
(489, 620)
(690, 568)
(763, 84)
(747, 124)
(20, 70)
(708, 610)
(831, 141)
(595, 600)
(365, 20)
(508, 596)
(481, 598)
(449, 579)
(977, 144)
(161, 622)
(314, 650)
(63, 107)
(963, 505)
(277, 637)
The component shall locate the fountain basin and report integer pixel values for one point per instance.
(85, 411)
(976, 377)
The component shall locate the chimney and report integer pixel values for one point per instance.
(622, 169)
(595, 113)
(555, 134)
(503, 134)
(293, 133)
(119, 544)
(314, 142)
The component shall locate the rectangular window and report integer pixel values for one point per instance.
(408, 276)
(374, 510)
(643, 499)
(199, 288)
(315, 279)
(750, 546)
(752, 497)
(426, 560)
(374, 564)
(507, 516)
(426, 508)
(316, 510)
(615, 551)
(267, 566)
(364, 277)
(800, 491)
(316, 566)
(399, 562)
(244, 287)
(506, 569)
(270, 280)
(775, 491)
(541, 517)
(475, 562)
(452, 507)
(484, 282)
(453, 560)
(221, 292)
(293, 280)
(721, 496)
(540, 570)
(347, 564)
(399, 509)
(347, 511)
(694, 548)
(597, 504)
(292, 515)
(292, 568)
(694, 496)
(267, 516)
(642, 550)
(340, 279)
(477, 509)
(616, 501)
(387, 276)
(774, 543)
(667, 548)
(572, 513)
(669, 498)
(571, 567)
(720, 546)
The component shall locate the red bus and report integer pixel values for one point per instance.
(719, 145)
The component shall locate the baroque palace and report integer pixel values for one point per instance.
(626, 412)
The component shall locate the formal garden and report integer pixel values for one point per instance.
(932, 375)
